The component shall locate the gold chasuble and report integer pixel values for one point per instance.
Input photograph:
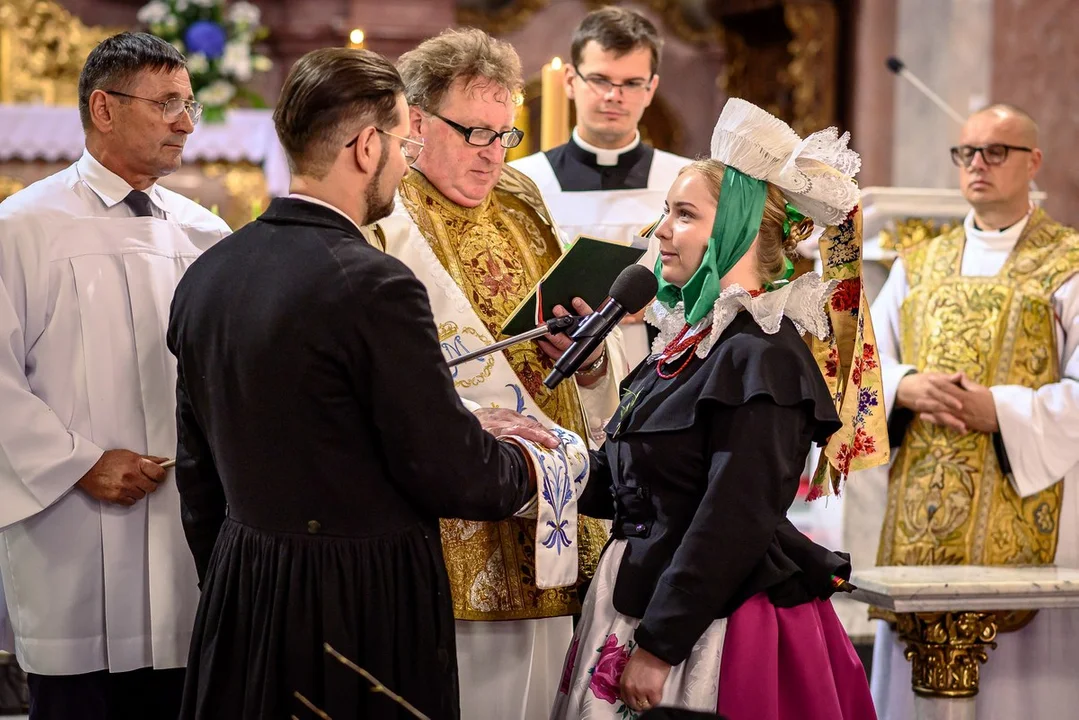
(496, 253)
(948, 501)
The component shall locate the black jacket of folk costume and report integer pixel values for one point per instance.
(698, 472)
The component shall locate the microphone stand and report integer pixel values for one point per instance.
(552, 326)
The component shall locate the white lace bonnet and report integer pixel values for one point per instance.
(815, 174)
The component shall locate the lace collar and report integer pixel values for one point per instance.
(802, 301)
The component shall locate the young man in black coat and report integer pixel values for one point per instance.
(320, 436)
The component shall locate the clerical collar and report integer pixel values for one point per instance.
(604, 156)
(1004, 239)
(323, 203)
(110, 187)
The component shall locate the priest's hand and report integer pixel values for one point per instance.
(500, 422)
(123, 477)
(979, 411)
(643, 679)
(556, 345)
(936, 397)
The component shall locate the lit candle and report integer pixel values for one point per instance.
(355, 39)
(554, 114)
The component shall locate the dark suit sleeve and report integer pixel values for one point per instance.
(752, 447)
(597, 500)
(202, 497)
(436, 450)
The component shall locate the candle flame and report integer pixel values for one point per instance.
(356, 37)
(556, 63)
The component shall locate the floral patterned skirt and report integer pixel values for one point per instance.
(602, 645)
(776, 663)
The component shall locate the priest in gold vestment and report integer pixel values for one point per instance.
(978, 332)
(478, 234)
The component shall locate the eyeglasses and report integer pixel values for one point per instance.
(603, 86)
(482, 137)
(171, 109)
(410, 148)
(995, 154)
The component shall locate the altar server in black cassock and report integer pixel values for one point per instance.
(606, 182)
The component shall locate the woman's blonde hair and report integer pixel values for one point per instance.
(772, 246)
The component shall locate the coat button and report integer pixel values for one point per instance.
(640, 527)
(313, 526)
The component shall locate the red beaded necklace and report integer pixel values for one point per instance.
(688, 344)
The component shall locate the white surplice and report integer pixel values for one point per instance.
(85, 289)
(617, 215)
(1031, 674)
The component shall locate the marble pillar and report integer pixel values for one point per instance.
(1035, 64)
(948, 44)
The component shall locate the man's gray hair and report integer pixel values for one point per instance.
(467, 54)
(114, 64)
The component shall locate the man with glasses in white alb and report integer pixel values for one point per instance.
(99, 583)
(978, 333)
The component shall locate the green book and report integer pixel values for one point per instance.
(586, 270)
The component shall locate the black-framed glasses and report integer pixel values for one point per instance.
(604, 86)
(482, 137)
(993, 154)
(410, 148)
(171, 109)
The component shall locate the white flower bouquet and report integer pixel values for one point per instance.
(218, 41)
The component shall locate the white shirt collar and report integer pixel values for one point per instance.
(996, 239)
(323, 203)
(605, 156)
(110, 187)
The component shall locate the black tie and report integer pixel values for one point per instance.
(139, 202)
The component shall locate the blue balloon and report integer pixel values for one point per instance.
(206, 37)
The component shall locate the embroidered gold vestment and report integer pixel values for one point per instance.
(496, 253)
(948, 501)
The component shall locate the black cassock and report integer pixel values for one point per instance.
(320, 439)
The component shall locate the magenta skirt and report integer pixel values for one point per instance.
(790, 664)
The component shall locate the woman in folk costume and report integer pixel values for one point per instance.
(707, 598)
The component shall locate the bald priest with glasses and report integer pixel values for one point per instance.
(100, 586)
(978, 333)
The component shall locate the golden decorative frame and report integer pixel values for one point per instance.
(42, 51)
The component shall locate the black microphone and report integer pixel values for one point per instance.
(632, 290)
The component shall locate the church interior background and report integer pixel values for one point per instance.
(814, 63)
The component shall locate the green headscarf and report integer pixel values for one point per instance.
(738, 220)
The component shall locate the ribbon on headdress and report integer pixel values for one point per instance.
(850, 364)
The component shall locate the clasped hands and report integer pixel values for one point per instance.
(949, 399)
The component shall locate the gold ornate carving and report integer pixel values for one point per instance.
(1006, 620)
(914, 231)
(42, 50)
(245, 183)
(946, 650)
(811, 72)
(9, 186)
(505, 18)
